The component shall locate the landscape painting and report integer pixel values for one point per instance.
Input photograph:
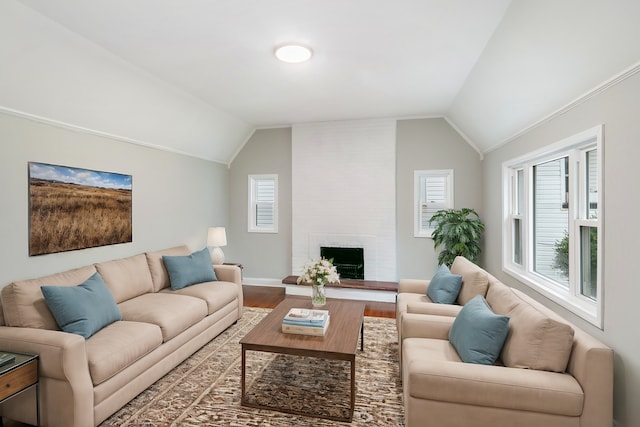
(72, 208)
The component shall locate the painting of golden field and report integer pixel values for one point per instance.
(72, 208)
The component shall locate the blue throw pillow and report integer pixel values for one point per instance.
(478, 333)
(444, 287)
(82, 309)
(188, 270)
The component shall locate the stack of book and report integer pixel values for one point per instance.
(305, 321)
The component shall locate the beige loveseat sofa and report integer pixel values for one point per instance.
(549, 373)
(83, 382)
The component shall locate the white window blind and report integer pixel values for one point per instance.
(263, 203)
(433, 192)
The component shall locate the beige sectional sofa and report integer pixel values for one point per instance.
(83, 382)
(549, 373)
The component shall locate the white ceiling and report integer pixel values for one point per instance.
(492, 67)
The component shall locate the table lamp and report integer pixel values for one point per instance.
(216, 237)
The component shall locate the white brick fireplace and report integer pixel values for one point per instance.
(344, 192)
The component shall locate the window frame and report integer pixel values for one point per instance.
(253, 227)
(570, 297)
(418, 175)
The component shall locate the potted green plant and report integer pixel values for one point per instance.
(459, 231)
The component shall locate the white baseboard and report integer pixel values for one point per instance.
(341, 293)
(345, 293)
(254, 281)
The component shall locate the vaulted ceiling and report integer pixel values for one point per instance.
(198, 76)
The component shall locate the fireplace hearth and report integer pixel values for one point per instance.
(349, 262)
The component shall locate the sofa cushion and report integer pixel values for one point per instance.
(430, 372)
(191, 269)
(82, 309)
(475, 280)
(159, 274)
(444, 286)
(535, 340)
(215, 294)
(172, 313)
(126, 278)
(119, 345)
(478, 333)
(24, 305)
(501, 298)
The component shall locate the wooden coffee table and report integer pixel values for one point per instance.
(339, 343)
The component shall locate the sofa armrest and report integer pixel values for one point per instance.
(425, 326)
(591, 363)
(64, 375)
(413, 286)
(233, 274)
(228, 273)
(62, 355)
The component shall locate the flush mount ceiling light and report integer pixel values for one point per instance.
(293, 53)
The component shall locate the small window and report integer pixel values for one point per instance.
(263, 203)
(433, 191)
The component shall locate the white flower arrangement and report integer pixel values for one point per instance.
(318, 272)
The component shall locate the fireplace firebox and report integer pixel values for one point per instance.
(349, 262)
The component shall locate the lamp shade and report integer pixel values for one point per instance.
(217, 236)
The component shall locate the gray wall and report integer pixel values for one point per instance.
(617, 108)
(175, 197)
(430, 144)
(420, 144)
(264, 255)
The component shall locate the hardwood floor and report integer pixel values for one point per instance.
(269, 297)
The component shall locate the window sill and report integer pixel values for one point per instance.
(586, 310)
(424, 234)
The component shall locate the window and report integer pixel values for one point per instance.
(263, 203)
(553, 223)
(433, 190)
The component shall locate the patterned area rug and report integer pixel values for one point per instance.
(205, 389)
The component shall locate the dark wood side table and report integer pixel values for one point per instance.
(237, 264)
(18, 376)
(234, 263)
